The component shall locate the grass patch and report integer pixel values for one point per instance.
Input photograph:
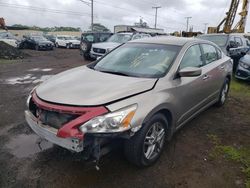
(240, 88)
(239, 155)
(5, 61)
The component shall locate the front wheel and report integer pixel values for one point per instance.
(36, 47)
(223, 93)
(146, 146)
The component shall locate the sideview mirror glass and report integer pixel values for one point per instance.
(190, 72)
(233, 44)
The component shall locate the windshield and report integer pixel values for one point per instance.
(69, 38)
(39, 38)
(220, 40)
(7, 35)
(139, 60)
(120, 38)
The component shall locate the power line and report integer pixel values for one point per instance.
(41, 9)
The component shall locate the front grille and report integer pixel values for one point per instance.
(51, 118)
(99, 50)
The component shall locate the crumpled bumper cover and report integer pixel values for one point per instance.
(50, 134)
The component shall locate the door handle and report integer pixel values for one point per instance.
(222, 66)
(205, 77)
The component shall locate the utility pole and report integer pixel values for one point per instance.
(92, 11)
(92, 15)
(205, 24)
(156, 11)
(189, 17)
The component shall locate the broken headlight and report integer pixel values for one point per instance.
(117, 121)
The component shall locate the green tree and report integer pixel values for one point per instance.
(99, 28)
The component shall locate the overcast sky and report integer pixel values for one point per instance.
(171, 17)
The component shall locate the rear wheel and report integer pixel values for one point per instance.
(223, 93)
(146, 146)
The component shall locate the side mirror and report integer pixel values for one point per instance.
(190, 72)
(243, 53)
(232, 44)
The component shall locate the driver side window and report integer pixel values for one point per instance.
(192, 57)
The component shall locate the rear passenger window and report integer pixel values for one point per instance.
(210, 53)
(192, 57)
(238, 41)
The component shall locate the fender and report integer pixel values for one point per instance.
(163, 106)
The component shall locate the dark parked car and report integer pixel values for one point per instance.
(51, 38)
(243, 68)
(87, 39)
(37, 43)
(235, 46)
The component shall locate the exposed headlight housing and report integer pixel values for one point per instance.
(244, 65)
(117, 121)
(108, 50)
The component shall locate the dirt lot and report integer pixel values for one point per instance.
(187, 161)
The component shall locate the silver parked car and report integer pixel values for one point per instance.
(136, 96)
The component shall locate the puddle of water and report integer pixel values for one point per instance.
(39, 69)
(25, 145)
(27, 79)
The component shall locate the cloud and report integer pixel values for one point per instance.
(171, 15)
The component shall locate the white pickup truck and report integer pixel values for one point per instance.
(67, 41)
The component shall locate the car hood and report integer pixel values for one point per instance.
(245, 59)
(43, 42)
(86, 87)
(106, 45)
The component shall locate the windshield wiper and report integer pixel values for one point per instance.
(114, 72)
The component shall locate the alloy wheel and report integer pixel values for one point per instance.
(154, 141)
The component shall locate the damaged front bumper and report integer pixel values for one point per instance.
(50, 134)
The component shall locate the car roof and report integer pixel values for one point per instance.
(171, 40)
(223, 34)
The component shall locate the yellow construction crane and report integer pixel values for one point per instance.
(229, 19)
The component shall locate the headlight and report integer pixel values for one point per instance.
(244, 65)
(117, 121)
(108, 50)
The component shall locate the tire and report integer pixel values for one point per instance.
(223, 93)
(144, 149)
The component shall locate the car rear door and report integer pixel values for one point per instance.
(214, 71)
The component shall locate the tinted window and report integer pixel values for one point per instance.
(192, 57)
(89, 38)
(139, 60)
(104, 37)
(210, 53)
(220, 40)
(238, 41)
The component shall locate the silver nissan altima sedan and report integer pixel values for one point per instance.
(135, 97)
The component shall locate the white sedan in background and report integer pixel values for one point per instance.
(9, 38)
(67, 41)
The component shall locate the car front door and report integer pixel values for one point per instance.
(191, 91)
